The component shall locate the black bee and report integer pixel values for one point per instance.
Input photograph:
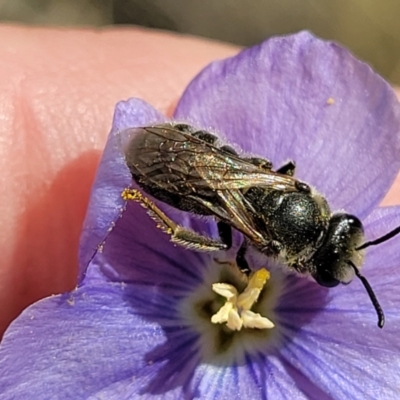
(279, 215)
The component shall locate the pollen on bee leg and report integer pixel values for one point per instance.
(130, 194)
(236, 312)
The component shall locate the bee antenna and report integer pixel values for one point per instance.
(382, 239)
(371, 294)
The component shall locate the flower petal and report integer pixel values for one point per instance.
(304, 99)
(112, 340)
(136, 251)
(333, 341)
(74, 345)
(257, 379)
(120, 335)
(112, 177)
(382, 269)
(343, 368)
(119, 238)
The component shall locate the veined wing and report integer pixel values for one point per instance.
(176, 161)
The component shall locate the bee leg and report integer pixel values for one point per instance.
(225, 233)
(179, 234)
(287, 169)
(272, 249)
(241, 261)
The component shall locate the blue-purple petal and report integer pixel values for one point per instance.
(301, 98)
(120, 335)
(119, 240)
(136, 251)
(75, 345)
(333, 333)
(106, 203)
(123, 340)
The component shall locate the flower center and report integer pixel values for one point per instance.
(236, 312)
(232, 314)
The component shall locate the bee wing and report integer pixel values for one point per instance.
(163, 156)
(239, 217)
(177, 161)
(233, 209)
(221, 179)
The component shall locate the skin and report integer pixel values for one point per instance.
(58, 91)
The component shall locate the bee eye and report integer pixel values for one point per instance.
(325, 278)
(354, 222)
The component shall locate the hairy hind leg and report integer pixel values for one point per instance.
(178, 233)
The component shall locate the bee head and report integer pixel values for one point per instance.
(340, 256)
(334, 259)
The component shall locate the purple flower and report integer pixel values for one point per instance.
(138, 325)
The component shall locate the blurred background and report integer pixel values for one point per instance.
(370, 28)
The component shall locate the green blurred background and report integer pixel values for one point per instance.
(370, 28)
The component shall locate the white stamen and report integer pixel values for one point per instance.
(235, 322)
(236, 312)
(223, 314)
(225, 290)
(247, 299)
(255, 320)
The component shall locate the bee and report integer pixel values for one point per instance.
(279, 215)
